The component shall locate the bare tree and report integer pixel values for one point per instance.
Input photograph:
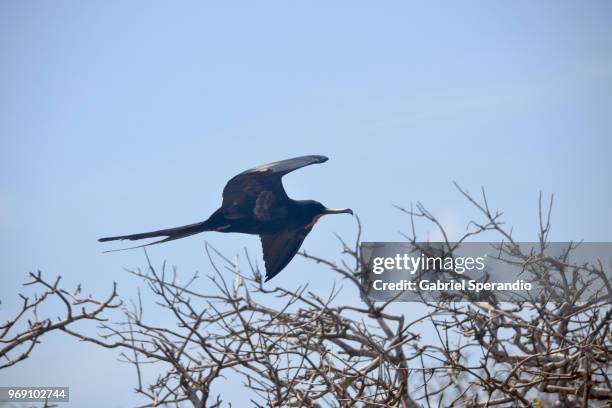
(304, 349)
(556, 348)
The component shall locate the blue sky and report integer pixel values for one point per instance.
(121, 117)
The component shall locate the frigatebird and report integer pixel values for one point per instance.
(255, 202)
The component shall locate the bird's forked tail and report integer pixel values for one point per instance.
(170, 233)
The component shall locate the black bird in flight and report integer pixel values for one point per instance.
(255, 202)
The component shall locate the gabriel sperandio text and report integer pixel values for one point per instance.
(470, 285)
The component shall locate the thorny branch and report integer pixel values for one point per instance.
(20, 334)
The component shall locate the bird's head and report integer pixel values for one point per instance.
(314, 210)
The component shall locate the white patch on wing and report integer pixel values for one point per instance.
(263, 168)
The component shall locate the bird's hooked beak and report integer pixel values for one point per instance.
(338, 211)
(329, 211)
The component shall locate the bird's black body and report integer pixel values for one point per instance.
(255, 202)
(292, 214)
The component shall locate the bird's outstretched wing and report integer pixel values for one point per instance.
(279, 249)
(259, 190)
